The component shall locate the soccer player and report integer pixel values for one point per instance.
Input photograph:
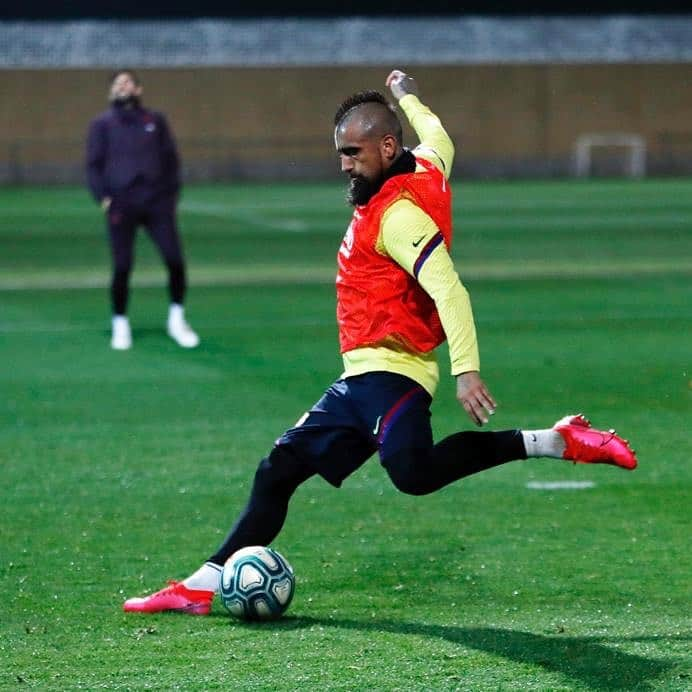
(133, 173)
(398, 297)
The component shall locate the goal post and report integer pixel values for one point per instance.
(633, 156)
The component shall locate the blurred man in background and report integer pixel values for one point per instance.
(133, 172)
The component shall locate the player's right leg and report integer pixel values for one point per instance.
(583, 444)
(394, 414)
(122, 227)
(418, 467)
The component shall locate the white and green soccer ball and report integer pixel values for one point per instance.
(257, 583)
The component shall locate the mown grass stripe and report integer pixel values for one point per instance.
(272, 274)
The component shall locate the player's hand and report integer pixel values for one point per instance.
(475, 397)
(401, 84)
(106, 203)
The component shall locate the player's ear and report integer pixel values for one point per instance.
(389, 147)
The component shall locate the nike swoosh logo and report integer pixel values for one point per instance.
(416, 243)
(376, 429)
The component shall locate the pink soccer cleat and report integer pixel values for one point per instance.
(175, 597)
(589, 446)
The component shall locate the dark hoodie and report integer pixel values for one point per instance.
(131, 156)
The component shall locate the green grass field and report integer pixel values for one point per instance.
(121, 470)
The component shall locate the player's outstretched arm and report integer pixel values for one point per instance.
(475, 397)
(401, 84)
(435, 144)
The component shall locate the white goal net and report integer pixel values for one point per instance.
(616, 153)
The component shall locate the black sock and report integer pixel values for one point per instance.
(177, 283)
(457, 456)
(120, 292)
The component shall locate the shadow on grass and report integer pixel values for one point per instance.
(584, 659)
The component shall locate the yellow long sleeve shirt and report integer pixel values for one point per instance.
(401, 229)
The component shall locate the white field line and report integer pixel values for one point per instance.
(199, 276)
(560, 485)
(325, 320)
(614, 204)
(316, 274)
(467, 201)
(493, 218)
(103, 326)
(503, 219)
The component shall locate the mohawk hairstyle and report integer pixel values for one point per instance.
(374, 101)
(358, 99)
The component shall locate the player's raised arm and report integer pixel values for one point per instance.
(435, 145)
(401, 84)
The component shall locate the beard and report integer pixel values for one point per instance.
(126, 101)
(361, 190)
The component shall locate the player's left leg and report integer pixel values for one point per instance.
(418, 467)
(176, 597)
(162, 228)
(326, 441)
(277, 478)
(122, 227)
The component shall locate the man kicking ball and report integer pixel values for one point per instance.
(398, 298)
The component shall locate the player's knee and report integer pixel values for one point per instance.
(265, 477)
(278, 473)
(407, 473)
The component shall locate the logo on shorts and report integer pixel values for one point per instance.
(302, 419)
(376, 429)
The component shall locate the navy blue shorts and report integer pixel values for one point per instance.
(358, 416)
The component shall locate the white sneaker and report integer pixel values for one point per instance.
(179, 330)
(121, 340)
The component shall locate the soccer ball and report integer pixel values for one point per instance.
(257, 583)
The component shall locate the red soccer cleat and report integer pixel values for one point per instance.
(589, 446)
(175, 597)
(573, 419)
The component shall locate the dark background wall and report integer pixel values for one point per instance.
(507, 116)
(242, 122)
